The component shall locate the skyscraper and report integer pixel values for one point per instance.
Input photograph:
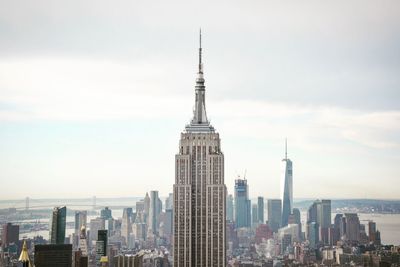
(287, 188)
(126, 226)
(324, 213)
(297, 220)
(106, 213)
(58, 223)
(10, 234)
(372, 231)
(102, 235)
(324, 220)
(169, 216)
(312, 234)
(320, 213)
(96, 225)
(352, 227)
(169, 201)
(199, 190)
(274, 214)
(254, 214)
(146, 201)
(337, 225)
(83, 242)
(260, 206)
(80, 220)
(229, 208)
(242, 204)
(154, 211)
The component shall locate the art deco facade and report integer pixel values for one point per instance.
(199, 190)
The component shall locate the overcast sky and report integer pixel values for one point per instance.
(94, 94)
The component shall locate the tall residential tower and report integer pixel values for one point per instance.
(199, 190)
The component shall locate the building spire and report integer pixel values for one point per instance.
(200, 115)
(24, 257)
(200, 55)
(285, 148)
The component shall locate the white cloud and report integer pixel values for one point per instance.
(80, 90)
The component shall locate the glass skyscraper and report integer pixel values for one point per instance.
(260, 207)
(287, 189)
(58, 223)
(274, 214)
(242, 204)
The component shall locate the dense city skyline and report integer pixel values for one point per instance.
(88, 92)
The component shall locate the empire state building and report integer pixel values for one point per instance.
(199, 190)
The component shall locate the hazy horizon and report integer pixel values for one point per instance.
(22, 200)
(94, 95)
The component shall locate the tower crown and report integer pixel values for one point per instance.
(199, 122)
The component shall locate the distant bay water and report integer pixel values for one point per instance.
(387, 224)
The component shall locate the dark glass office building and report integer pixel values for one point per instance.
(52, 255)
(58, 222)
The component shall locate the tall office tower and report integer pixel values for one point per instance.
(372, 231)
(324, 213)
(83, 241)
(296, 216)
(146, 207)
(159, 206)
(297, 220)
(229, 208)
(101, 245)
(313, 234)
(58, 223)
(139, 229)
(320, 213)
(168, 224)
(337, 222)
(102, 235)
(352, 227)
(260, 212)
(343, 228)
(96, 225)
(139, 206)
(254, 214)
(10, 234)
(199, 190)
(274, 214)
(169, 201)
(126, 226)
(377, 238)
(80, 220)
(324, 220)
(287, 188)
(106, 213)
(242, 204)
(154, 212)
(312, 212)
(52, 255)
